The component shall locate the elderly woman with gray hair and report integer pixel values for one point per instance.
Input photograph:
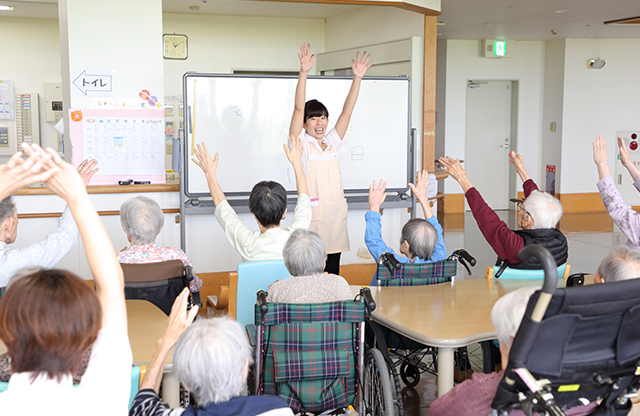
(305, 256)
(211, 358)
(474, 396)
(142, 220)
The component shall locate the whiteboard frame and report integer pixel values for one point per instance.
(244, 196)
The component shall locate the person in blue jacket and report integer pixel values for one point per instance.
(421, 240)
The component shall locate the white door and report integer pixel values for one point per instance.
(488, 140)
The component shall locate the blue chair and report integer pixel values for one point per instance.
(251, 277)
(522, 274)
(136, 375)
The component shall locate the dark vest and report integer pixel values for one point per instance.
(551, 239)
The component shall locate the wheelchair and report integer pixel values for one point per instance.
(313, 356)
(159, 283)
(575, 345)
(409, 359)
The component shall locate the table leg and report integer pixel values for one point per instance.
(170, 387)
(445, 370)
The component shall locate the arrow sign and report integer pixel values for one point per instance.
(96, 83)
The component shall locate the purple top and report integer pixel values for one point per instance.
(622, 214)
(474, 397)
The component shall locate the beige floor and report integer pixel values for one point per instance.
(590, 237)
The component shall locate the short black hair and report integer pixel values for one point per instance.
(268, 202)
(314, 108)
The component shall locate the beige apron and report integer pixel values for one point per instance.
(328, 204)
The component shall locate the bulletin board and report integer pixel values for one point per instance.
(128, 144)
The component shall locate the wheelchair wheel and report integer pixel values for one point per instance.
(378, 397)
(410, 374)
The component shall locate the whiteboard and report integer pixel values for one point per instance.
(245, 119)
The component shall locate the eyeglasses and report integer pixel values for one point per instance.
(520, 206)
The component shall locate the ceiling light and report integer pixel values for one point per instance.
(6, 8)
(489, 24)
(561, 11)
(440, 24)
(194, 8)
(596, 63)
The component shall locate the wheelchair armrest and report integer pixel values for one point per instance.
(251, 333)
(197, 299)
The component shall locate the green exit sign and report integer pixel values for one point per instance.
(499, 48)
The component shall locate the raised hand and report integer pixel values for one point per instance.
(204, 160)
(18, 172)
(360, 66)
(377, 195)
(86, 170)
(516, 160)
(600, 155)
(295, 153)
(624, 153)
(306, 59)
(67, 182)
(422, 184)
(455, 170)
(179, 318)
(626, 160)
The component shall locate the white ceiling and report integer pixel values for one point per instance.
(463, 19)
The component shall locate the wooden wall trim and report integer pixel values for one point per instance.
(101, 213)
(581, 202)
(108, 189)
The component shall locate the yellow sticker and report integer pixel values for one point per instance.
(569, 387)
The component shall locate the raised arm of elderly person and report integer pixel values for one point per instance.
(504, 241)
(56, 245)
(19, 172)
(622, 214)
(528, 185)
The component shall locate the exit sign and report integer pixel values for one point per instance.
(497, 48)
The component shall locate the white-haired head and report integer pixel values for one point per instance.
(211, 358)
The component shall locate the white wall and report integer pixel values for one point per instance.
(370, 26)
(31, 57)
(221, 44)
(463, 62)
(596, 102)
(552, 108)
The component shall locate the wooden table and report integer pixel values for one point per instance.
(446, 315)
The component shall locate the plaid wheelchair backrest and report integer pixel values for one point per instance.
(417, 274)
(309, 353)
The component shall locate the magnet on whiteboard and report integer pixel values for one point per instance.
(357, 153)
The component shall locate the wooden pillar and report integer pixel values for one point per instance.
(429, 94)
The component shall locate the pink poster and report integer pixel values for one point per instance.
(128, 144)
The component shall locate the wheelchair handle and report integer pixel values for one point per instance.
(468, 257)
(262, 302)
(390, 262)
(369, 303)
(548, 263)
